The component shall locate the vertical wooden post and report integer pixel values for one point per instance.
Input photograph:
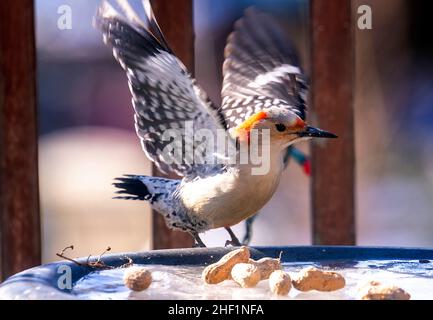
(19, 199)
(333, 163)
(176, 21)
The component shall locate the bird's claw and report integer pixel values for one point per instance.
(234, 240)
(232, 243)
(198, 245)
(248, 230)
(246, 241)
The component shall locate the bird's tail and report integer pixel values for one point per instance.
(157, 191)
(131, 188)
(160, 193)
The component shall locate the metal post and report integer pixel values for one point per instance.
(333, 162)
(176, 21)
(20, 243)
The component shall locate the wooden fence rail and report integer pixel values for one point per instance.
(19, 197)
(333, 164)
(176, 20)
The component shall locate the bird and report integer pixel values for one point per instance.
(264, 93)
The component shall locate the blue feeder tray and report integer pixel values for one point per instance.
(46, 276)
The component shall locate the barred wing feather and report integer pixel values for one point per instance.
(164, 95)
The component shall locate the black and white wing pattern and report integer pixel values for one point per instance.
(164, 95)
(260, 70)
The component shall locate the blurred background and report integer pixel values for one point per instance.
(87, 134)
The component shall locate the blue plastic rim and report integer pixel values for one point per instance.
(48, 274)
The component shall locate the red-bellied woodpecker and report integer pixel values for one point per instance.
(263, 91)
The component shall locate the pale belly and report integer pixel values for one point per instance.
(227, 200)
(238, 208)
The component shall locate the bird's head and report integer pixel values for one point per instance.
(285, 127)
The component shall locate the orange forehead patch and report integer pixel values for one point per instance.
(249, 123)
(299, 123)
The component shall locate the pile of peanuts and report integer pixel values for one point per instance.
(238, 266)
(246, 272)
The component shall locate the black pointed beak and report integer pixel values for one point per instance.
(316, 133)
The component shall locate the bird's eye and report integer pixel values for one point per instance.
(280, 127)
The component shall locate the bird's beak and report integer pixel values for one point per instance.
(316, 133)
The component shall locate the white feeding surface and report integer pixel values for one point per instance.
(185, 282)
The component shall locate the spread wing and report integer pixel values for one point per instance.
(260, 70)
(164, 95)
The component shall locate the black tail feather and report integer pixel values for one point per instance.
(132, 188)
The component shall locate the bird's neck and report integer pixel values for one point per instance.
(260, 181)
(263, 161)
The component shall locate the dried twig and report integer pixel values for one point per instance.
(63, 251)
(98, 264)
(62, 255)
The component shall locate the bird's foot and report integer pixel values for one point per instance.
(234, 240)
(232, 243)
(246, 241)
(198, 243)
(248, 230)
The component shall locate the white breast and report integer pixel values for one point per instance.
(226, 199)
